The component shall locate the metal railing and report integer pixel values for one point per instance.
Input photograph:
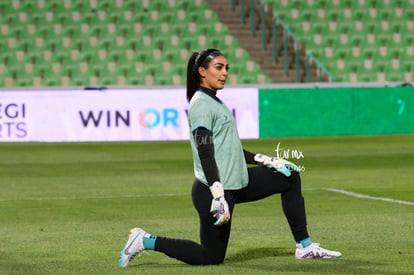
(289, 46)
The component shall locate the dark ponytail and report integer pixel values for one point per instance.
(193, 79)
(201, 59)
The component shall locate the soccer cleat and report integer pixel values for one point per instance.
(133, 247)
(314, 251)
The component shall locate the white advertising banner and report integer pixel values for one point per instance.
(112, 115)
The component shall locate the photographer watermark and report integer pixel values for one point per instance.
(291, 155)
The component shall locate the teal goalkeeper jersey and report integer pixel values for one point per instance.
(205, 111)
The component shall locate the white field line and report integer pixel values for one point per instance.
(367, 197)
(334, 190)
(97, 197)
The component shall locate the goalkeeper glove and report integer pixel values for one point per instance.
(219, 206)
(280, 165)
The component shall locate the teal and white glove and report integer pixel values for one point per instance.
(219, 206)
(280, 165)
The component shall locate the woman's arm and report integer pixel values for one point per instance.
(249, 157)
(205, 146)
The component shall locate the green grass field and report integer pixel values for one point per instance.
(66, 208)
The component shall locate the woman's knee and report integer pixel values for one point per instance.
(295, 178)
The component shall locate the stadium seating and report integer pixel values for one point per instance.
(127, 42)
(360, 40)
(111, 42)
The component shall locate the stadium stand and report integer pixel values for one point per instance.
(111, 42)
(73, 43)
(361, 40)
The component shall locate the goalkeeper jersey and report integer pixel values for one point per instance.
(212, 114)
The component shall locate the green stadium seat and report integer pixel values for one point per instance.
(394, 76)
(408, 48)
(8, 79)
(163, 79)
(5, 75)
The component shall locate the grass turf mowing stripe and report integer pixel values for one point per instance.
(339, 191)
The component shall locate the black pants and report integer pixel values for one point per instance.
(263, 182)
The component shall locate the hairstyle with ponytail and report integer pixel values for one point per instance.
(196, 60)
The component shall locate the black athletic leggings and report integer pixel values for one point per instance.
(263, 182)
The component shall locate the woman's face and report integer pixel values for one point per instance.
(214, 77)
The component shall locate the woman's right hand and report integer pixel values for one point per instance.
(219, 205)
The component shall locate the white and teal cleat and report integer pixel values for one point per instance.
(133, 247)
(314, 251)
